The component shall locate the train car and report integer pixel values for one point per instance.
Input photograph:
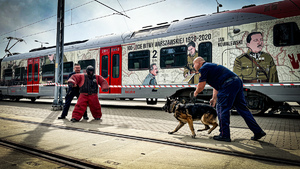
(260, 44)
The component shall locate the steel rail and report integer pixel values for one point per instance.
(170, 143)
(58, 158)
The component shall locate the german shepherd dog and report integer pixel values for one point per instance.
(187, 113)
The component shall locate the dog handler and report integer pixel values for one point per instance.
(88, 84)
(227, 92)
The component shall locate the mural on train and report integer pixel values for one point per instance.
(252, 54)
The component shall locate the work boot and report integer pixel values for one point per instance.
(97, 118)
(258, 135)
(74, 120)
(220, 138)
(86, 118)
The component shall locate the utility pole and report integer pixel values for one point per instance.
(219, 5)
(58, 102)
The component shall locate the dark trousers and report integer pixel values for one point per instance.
(68, 99)
(231, 94)
(87, 100)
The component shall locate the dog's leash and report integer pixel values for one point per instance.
(194, 99)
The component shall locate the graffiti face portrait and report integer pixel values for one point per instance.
(256, 42)
(154, 70)
(191, 51)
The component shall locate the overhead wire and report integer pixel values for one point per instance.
(72, 24)
(45, 19)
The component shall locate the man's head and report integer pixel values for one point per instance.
(153, 69)
(198, 62)
(255, 41)
(90, 70)
(77, 68)
(191, 48)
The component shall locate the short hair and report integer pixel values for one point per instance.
(191, 43)
(76, 64)
(250, 34)
(151, 66)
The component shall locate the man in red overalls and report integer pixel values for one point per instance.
(88, 88)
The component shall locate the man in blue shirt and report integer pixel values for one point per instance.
(227, 92)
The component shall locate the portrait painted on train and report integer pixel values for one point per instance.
(150, 78)
(255, 66)
(189, 69)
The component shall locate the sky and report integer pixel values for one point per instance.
(33, 20)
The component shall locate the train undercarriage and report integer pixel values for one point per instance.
(257, 103)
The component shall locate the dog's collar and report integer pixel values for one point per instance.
(173, 108)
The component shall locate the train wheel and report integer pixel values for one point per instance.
(257, 103)
(33, 99)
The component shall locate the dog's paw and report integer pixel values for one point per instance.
(193, 136)
(170, 132)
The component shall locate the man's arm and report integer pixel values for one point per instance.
(214, 98)
(103, 83)
(199, 88)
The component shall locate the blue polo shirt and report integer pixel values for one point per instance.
(215, 75)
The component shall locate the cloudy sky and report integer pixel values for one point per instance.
(87, 19)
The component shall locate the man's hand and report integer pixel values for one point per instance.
(70, 84)
(195, 93)
(213, 102)
(214, 99)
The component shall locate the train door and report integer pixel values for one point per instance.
(33, 77)
(111, 67)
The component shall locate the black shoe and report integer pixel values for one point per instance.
(74, 120)
(258, 135)
(220, 138)
(97, 118)
(86, 118)
(61, 117)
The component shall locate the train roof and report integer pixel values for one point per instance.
(252, 13)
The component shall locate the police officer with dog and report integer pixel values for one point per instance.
(227, 93)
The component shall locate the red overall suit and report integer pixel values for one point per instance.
(88, 84)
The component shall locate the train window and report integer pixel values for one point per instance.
(205, 51)
(86, 63)
(8, 76)
(116, 65)
(173, 57)
(104, 70)
(48, 72)
(68, 68)
(286, 34)
(30, 73)
(20, 76)
(139, 60)
(36, 72)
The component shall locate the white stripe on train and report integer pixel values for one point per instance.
(162, 86)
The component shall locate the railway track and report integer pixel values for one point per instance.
(66, 161)
(151, 140)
